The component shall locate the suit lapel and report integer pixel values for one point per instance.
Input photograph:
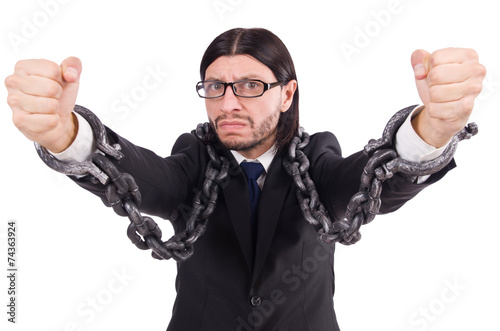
(271, 201)
(238, 206)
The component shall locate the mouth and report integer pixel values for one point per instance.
(231, 125)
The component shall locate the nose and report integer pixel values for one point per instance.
(229, 102)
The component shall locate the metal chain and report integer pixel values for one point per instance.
(122, 193)
(384, 163)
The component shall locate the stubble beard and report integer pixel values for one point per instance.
(260, 135)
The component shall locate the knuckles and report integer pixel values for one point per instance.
(50, 106)
(40, 67)
(436, 76)
(453, 55)
(10, 81)
(53, 89)
(471, 54)
(454, 74)
(13, 100)
(476, 89)
(467, 105)
(436, 93)
(480, 71)
(20, 65)
(18, 118)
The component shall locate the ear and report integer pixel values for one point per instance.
(287, 93)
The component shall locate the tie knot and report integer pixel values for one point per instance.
(253, 170)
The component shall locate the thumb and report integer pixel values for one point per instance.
(71, 69)
(420, 63)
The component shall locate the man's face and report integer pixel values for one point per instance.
(247, 125)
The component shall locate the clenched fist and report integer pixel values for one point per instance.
(42, 96)
(448, 82)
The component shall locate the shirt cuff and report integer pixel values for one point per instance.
(83, 146)
(411, 147)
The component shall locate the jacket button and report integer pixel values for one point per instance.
(255, 301)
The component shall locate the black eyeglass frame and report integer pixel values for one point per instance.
(267, 86)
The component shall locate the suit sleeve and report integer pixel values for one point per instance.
(164, 182)
(338, 178)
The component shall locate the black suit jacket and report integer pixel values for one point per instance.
(287, 282)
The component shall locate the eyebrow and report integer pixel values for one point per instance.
(248, 76)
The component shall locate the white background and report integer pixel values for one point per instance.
(71, 247)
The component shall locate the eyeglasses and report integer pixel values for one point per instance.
(247, 88)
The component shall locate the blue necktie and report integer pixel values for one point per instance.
(253, 170)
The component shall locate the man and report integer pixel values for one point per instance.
(260, 268)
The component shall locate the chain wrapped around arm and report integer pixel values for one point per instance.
(122, 193)
(384, 163)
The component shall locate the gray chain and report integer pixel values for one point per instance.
(384, 163)
(123, 196)
(122, 193)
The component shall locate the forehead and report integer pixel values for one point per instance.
(236, 67)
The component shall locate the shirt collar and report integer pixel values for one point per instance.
(265, 159)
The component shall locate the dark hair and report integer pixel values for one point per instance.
(267, 48)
